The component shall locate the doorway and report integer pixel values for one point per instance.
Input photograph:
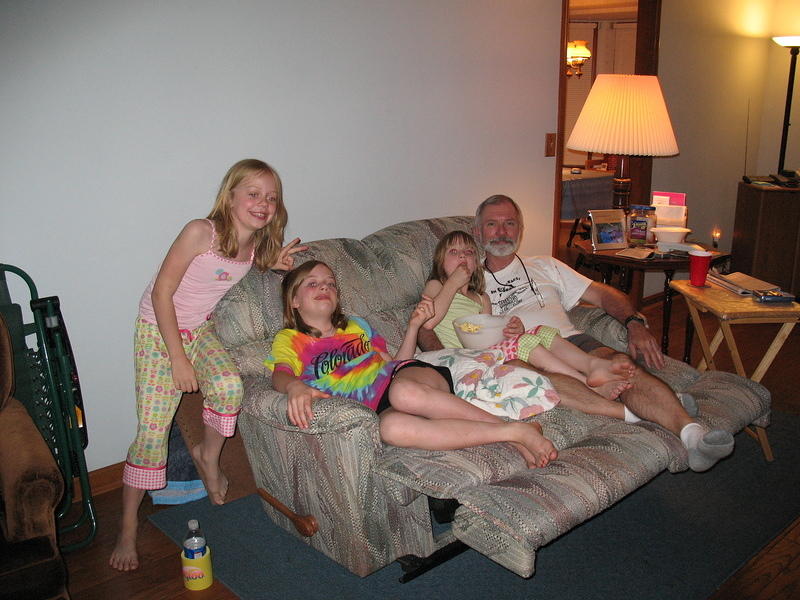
(623, 38)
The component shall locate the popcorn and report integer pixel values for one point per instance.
(470, 327)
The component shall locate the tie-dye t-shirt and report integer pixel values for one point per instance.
(347, 364)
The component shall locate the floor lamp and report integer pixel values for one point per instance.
(624, 115)
(793, 43)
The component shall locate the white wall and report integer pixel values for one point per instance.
(710, 69)
(717, 69)
(120, 118)
(725, 84)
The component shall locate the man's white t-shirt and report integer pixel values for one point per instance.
(513, 291)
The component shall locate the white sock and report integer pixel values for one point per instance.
(691, 435)
(629, 416)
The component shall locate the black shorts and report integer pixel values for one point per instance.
(585, 342)
(443, 371)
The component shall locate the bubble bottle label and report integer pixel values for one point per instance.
(638, 230)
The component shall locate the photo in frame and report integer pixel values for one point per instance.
(608, 229)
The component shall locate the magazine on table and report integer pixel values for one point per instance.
(740, 283)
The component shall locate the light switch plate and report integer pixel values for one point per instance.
(549, 144)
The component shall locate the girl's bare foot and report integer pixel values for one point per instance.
(537, 450)
(213, 478)
(612, 389)
(602, 370)
(124, 557)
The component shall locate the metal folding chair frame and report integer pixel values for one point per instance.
(47, 384)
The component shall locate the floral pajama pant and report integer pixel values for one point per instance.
(157, 399)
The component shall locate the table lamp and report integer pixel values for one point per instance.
(793, 43)
(624, 115)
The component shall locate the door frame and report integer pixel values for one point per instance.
(648, 24)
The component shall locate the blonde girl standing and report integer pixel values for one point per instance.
(176, 349)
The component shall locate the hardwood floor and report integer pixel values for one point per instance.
(773, 574)
(158, 577)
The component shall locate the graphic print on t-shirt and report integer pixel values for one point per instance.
(506, 296)
(330, 359)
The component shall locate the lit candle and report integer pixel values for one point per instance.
(715, 235)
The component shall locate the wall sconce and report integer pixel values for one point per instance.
(577, 54)
(624, 115)
(793, 43)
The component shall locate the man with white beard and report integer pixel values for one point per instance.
(540, 290)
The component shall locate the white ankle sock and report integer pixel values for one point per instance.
(629, 416)
(691, 435)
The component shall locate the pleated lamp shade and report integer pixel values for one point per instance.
(625, 115)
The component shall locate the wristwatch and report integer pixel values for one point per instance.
(637, 316)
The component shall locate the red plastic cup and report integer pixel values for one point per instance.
(699, 262)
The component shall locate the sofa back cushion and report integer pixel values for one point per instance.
(380, 278)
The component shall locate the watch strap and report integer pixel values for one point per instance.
(635, 317)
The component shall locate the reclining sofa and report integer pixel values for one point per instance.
(370, 500)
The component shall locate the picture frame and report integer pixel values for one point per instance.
(608, 229)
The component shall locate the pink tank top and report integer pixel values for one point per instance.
(206, 280)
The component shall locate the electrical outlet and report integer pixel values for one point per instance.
(549, 144)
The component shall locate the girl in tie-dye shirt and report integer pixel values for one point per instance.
(322, 353)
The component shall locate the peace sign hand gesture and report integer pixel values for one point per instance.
(285, 260)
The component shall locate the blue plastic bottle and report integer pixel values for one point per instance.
(194, 544)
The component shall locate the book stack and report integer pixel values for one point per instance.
(740, 283)
(745, 285)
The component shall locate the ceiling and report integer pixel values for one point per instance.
(603, 10)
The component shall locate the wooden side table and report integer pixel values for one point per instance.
(733, 309)
(631, 278)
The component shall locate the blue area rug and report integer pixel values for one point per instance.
(679, 537)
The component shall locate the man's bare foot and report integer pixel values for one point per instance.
(213, 478)
(612, 389)
(537, 450)
(124, 557)
(602, 370)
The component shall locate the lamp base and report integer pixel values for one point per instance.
(622, 184)
(622, 194)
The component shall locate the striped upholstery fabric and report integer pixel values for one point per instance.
(370, 499)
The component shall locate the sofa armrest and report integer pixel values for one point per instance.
(250, 358)
(331, 415)
(605, 328)
(30, 481)
(600, 325)
(328, 471)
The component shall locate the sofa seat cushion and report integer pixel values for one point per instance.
(445, 473)
(509, 520)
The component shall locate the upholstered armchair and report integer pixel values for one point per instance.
(31, 487)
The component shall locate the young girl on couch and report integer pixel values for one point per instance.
(176, 349)
(323, 353)
(457, 286)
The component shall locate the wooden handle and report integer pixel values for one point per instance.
(305, 524)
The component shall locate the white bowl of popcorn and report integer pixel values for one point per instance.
(480, 331)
